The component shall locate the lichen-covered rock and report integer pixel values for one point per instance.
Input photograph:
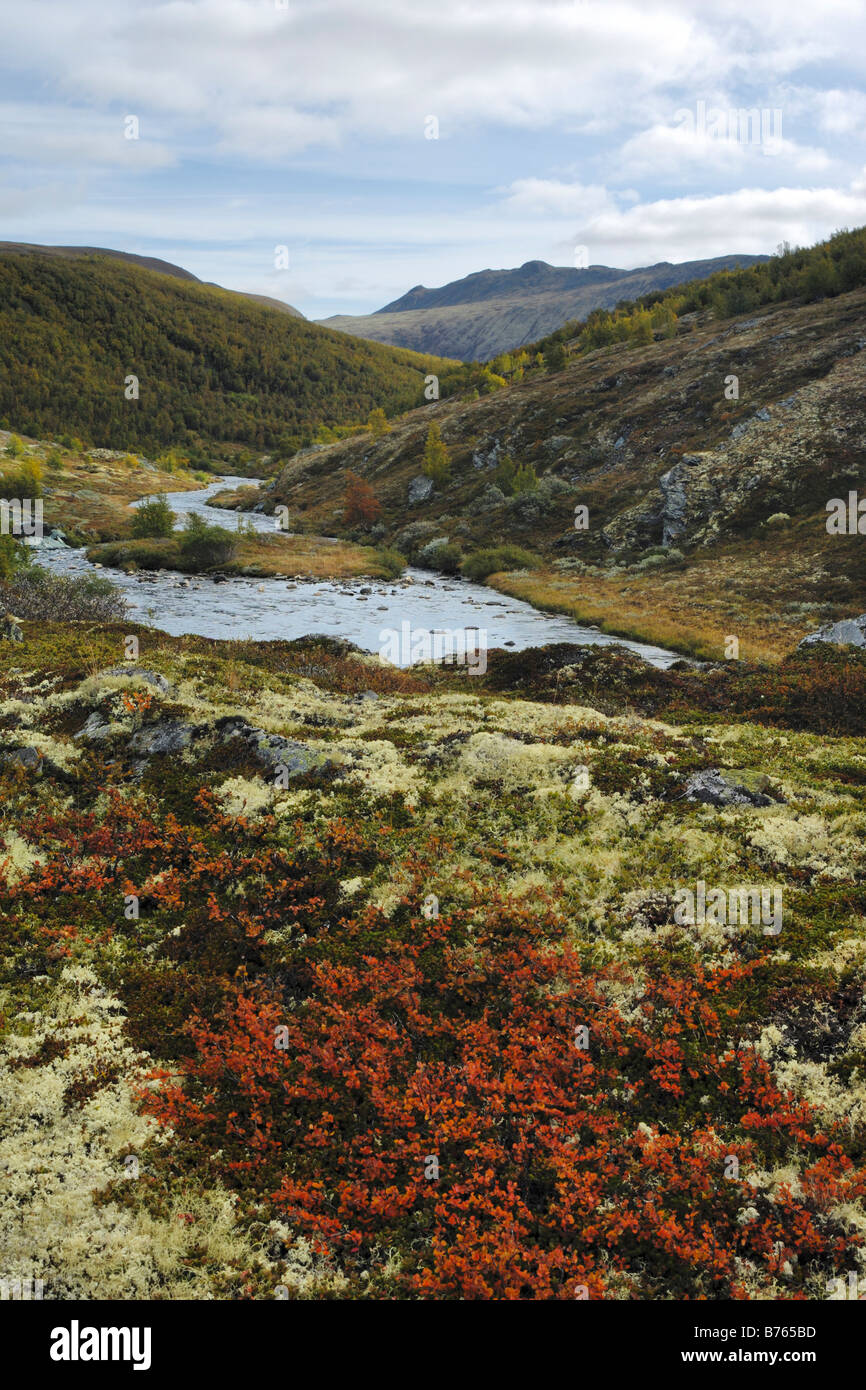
(95, 728)
(9, 629)
(716, 788)
(419, 490)
(165, 736)
(27, 757)
(272, 751)
(850, 632)
(140, 673)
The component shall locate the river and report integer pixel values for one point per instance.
(360, 610)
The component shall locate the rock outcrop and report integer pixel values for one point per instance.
(716, 788)
(850, 632)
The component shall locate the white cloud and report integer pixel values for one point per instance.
(686, 149)
(378, 69)
(842, 112)
(274, 135)
(566, 108)
(551, 198)
(749, 220)
(55, 135)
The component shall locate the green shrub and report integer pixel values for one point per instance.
(500, 557)
(34, 594)
(442, 555)
(551, 487)
(503, 478)
(27, 482)
(657, 558)
(154, 518)
(391, 561)
(525, 479)
(14, 556)
(205, 545)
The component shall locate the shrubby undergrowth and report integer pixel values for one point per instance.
(33, 594)
(421, 1021)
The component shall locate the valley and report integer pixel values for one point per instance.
(408, 893)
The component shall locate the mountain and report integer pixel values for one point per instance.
(705, 449)
(147, 262)
(494, 311)
(214, 369)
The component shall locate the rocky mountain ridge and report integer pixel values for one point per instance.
(493, 311)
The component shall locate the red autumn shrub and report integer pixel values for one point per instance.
(361, 505)
(558, 1168)
(430, 1105)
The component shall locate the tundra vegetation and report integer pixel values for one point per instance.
(418, 1018)
(326, 979)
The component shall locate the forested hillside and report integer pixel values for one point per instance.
(806, 274)
(212, 369)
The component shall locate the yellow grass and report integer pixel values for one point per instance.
(260, 556)
(118, 483)
(308, 555)
(740, 593)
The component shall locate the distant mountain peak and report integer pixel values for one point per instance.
(493, 311)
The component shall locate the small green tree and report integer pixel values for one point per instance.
(14, 556)
(30, 478)
(554, 358)
(437, 463)
(378, 422)
(525, 479)
(504, 475)
(820, 279)
(15, 447)
(641, 329)
(154, 518)
(664, 320)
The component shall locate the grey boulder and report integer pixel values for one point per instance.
(165, 736)
(715, 788)
(850, 632)
(150, 677)
(272, 751)
(419, 490)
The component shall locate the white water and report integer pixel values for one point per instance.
(275, 608)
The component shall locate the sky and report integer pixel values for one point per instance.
(336, 153)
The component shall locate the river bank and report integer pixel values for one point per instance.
(351, 608)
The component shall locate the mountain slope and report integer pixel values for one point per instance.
(213, 368)
(493, 311)
(707, 515)
(146, 262)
